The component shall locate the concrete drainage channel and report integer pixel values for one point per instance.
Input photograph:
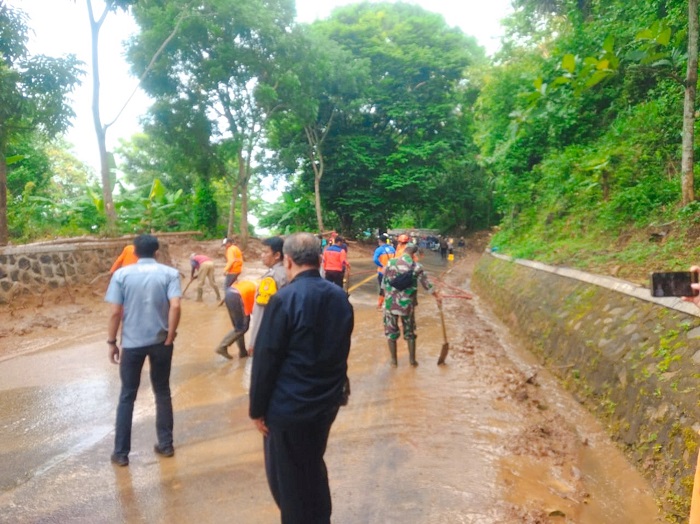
(631, 359)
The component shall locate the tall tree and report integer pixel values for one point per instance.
(101, 128)
(224, 53)
(322, 80)
(33, 94)
(106, 160)
(404, 127)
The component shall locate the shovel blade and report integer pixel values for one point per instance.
(443, 353)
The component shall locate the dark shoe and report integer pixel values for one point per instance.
(224, 353)
(119, 460)
(168, 451)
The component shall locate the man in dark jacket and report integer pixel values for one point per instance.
(298, 377)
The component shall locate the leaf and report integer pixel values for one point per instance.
(157, 190)
(662, 62)
(603, 65)
(665, 37)
(609, 44)
(14, 159)
(645, 34)
(597, 77)
(560, 80)
(568, 63)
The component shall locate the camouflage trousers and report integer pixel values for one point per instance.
(391, 326)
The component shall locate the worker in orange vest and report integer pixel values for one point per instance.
(335, 262)
(234, 263)
(240, 298)
(125, 258)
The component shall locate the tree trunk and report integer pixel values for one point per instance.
(4, 233)
(314, 153)
(244, 177)
(318, 173)
(232, 210)
(691, 82)
(101, 130)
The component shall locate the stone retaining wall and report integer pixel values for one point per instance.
(33, 268)
(632, 359)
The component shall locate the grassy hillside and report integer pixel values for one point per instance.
(629, 253)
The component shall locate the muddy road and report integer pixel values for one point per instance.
(488, 438)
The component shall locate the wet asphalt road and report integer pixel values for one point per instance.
(414, 445)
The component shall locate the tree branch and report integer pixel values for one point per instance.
(149, 67)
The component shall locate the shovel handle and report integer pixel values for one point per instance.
(442, 321)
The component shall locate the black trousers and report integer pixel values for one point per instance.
(336, 277)
(296, 471)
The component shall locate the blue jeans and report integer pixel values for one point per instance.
(160, 357)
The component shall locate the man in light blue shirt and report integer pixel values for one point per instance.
(145, 299)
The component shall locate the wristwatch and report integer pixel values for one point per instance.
(112, 342)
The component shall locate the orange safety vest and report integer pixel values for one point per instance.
(246, 289)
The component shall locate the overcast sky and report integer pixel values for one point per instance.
(61, 27)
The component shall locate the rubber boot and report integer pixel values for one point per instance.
(242, 351)
(392, 352)
(199, 294)
(229, 339)
(412, 352)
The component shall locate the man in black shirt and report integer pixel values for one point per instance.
(299, 373)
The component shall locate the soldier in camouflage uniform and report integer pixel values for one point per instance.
(401, 304)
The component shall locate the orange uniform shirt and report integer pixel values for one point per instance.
(247, 289)
(234, 260)
(126, 258)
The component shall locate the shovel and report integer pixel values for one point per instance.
(188, 285)
(445, 345)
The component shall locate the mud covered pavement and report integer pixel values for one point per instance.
(488, 438)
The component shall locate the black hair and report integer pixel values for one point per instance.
(276, 244)
(145, 246)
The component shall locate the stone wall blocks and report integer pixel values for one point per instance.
(696, 358)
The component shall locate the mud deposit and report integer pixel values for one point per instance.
(488, 438)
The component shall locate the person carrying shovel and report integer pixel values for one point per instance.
(400, 283)
(205, 265)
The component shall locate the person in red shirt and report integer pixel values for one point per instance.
(335, 262)
(205, 267)
(240, 298)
